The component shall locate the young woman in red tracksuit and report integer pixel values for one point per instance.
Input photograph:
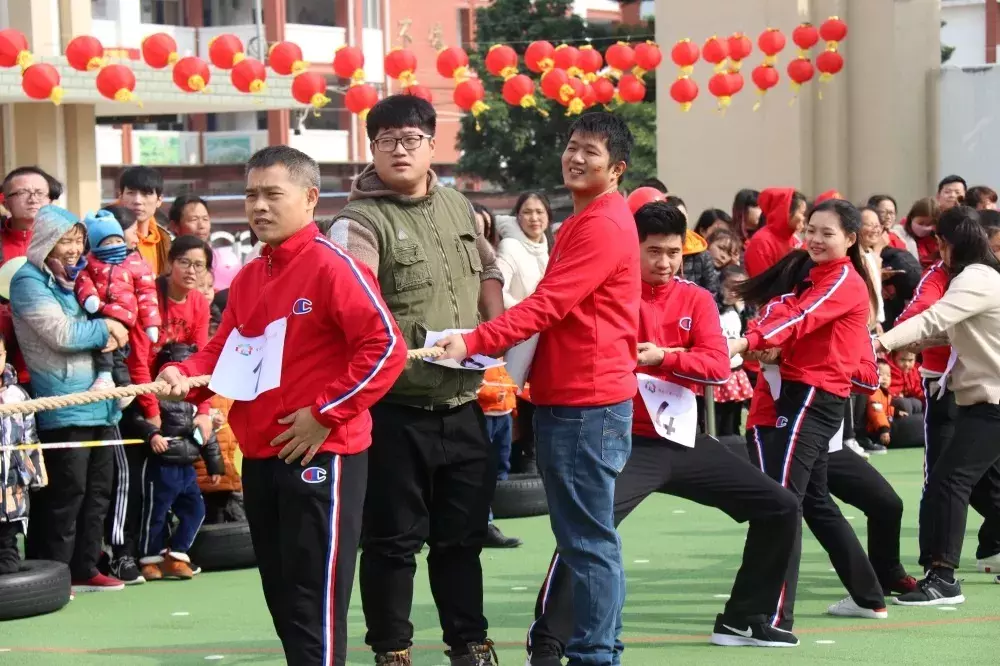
(823, 333)
(683, 343)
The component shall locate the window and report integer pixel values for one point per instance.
(99, 9)
(372, 14)
(311, 12)
(163, 12)
(464, 26)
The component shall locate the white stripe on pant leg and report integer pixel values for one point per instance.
(927, 439)
(547, 588)
(121, 499)
(760, 448)
(147, 519)
(330, 594)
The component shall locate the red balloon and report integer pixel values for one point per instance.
(684, 91)
(248, 76)
(501, 60)
(310, 88)
(620, 56)
(85, 53)
(285, 58)
(14, 49)
(192, 74)
(423, 92)
(116, 82)
(805, 36)
(604, 89)
(538, 56)
(631, 89)
(359, 99)
(41, 81)
(225, 51)
(452, 62)
(519, 91)
(159, 50)
(642, 196)
(400, 64)
(348, 63)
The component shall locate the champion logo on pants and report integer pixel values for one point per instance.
(314, 475)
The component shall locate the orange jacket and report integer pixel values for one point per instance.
(498, 392)
(880, 412)
(228, 446)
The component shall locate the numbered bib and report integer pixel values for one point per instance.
(672, 408)
(248, 367)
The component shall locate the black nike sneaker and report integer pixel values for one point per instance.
(932, 591)
(757, 634)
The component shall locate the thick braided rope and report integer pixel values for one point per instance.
(86, 398)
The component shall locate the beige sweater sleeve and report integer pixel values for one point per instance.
(357, 239)
(971, 292)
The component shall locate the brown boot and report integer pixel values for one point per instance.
(400, 658)
(151, 567)
(177, 566)
(479, 654)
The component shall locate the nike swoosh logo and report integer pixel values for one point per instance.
(746, 633)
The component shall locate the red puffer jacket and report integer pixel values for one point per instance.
(126, 291)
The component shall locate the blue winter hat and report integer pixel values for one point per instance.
(101, 225)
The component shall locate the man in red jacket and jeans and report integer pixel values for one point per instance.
(305, 347)
(586, 310)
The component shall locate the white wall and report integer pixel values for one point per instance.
(965, 30)
(969, 127)
(580, 7)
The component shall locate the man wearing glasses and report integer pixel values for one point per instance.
(25, 191)
(431, 472)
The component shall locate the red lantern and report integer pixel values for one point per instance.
(191, 74)
(642, 196)
(248, 76)
(589, 97)
(310, 88)
(604, 90)
(805, 37)
(771, 42)
(423, 92)
(14, 49)
(41, 81)
(400, 64)
(225, 51)
(833, 31)
(348, 63)
(501, 60)
(735, 83)
(159, 50)
(685, 54)
(469, 96)
(800, 71)
(590, 62)
(720, 85)
(620, 57)
(631, 89)
(684, 91)
(567, 57)
(538, 56)
(829, 63)
(360, 98)
(555, 84)
(647, 58)
(715, 51)
(574, 105)
(453, 63)
(740, 48)
(85, 53)
(285, 58)
(764, 77)
(519, 91)
(116, 82)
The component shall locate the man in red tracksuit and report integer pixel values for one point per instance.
(683, 343)
(586, 310)
(308, 313)
(783, 213)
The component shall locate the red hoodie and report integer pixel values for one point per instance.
(680, 314)
(776, 239)
(823, 331)
(929, 291)
(906, 384)
(343, 350)
(586, 308)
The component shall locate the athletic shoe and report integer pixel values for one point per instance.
(401, 658)
(478, 654)
(997, 580)
(98, 583)
(544, 656)
(496, 539)
(904, 585)
(989, 564)
(849, 608)
(853, 445)
(933, 591)
(151, 571)
(757, 634)
(177, 566)
(874, 448)
(127, 571)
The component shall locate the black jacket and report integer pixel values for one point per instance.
(898, 290)
(700, 269)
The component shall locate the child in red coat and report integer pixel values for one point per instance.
(906, 389)
(118, 284)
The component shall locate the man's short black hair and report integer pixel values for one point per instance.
(948, 180)
(301, 167)
(656, 184)
(398, 111)
(182, 202)
(615, 132)
(658, 218)
(55, 187)
(990, 219)
(675, 200)
(141, 179)
(125, 217)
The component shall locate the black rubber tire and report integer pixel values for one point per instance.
(39, 587)
(520, 496)
(908, 432)
(223, 546)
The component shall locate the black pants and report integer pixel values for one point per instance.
(114, 362)
(431, 479)
(124, 521)
(728, 418)
(940, 413)
(305, 524)
(709, 474)
(9, 557)
(67, 516)
(966, 471)
(796, 454)
(853, 480)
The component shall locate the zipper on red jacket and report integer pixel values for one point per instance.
(269, 259)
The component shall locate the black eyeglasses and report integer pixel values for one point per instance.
(410, 142)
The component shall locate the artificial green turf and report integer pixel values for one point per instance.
(679, 556)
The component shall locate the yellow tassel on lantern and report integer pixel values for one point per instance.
(685, 107)
(575, 107)
(319, 100)
(461, 74)
(96, 63)
(566, 92)
(508, 73)
(196, 83)
(258, 86)
(239, 57)
(298, 67)
(357, 77)
(760, 99)
(56, 95)
(25, 59)
(771, 60)
(123, 95)
(545, 64)
(407, 78)
(724, 103)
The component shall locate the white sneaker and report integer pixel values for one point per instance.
(848, 608)
(853, 445)
(989, 564)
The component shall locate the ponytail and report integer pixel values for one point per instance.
(777, 280)
(858, 261)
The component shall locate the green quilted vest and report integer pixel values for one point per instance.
(429, 272)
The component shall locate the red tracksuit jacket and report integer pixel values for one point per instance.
(929, 291)
(342, 352)
(822, 332)
(680, 314)
(586, 309)
(776, 239)
(906, 384)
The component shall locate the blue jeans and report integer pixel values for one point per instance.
(581, 451)
(500, 429)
